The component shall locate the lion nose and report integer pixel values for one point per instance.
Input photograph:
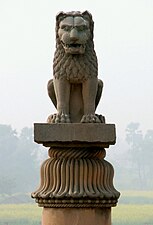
(74, 35)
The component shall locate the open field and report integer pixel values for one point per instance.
(20, 214)
(133, 212)
(132, 215)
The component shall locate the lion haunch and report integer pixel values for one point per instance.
(75, 89)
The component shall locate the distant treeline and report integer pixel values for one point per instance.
(20, 160)
(133, 159)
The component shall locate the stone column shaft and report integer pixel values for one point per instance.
(76, 216)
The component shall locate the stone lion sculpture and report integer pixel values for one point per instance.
(75, 89)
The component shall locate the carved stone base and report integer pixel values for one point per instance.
(76, 177)
(64, 216)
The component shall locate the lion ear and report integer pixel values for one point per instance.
(87, 14)
(60, 16)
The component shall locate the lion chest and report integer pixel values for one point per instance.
(72, 68)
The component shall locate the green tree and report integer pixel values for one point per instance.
(140, 155)
(134, 138)
(18, 159)
(8, 143)
(26, 166)
(148, 157)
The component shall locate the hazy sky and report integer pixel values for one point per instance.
(124, 44)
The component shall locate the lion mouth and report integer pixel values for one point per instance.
(74, 48)
(73, 45)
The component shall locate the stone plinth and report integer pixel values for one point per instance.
(76, 181)
(75, 134)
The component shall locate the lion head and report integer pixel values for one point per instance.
(74, 57)
(74, 32)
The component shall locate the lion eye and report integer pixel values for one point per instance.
(82, 28)
(66, 28)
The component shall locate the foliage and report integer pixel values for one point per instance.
(18, 159)
(140, 154)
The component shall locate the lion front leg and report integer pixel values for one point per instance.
(62, 92)
(89, 92)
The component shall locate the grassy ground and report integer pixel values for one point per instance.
(134, 208)
(133, 212)
(132, 215)
(20, 214)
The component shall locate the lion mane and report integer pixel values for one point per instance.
(81, 66)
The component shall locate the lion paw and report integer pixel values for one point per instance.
(90, 118)
(59, 118)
